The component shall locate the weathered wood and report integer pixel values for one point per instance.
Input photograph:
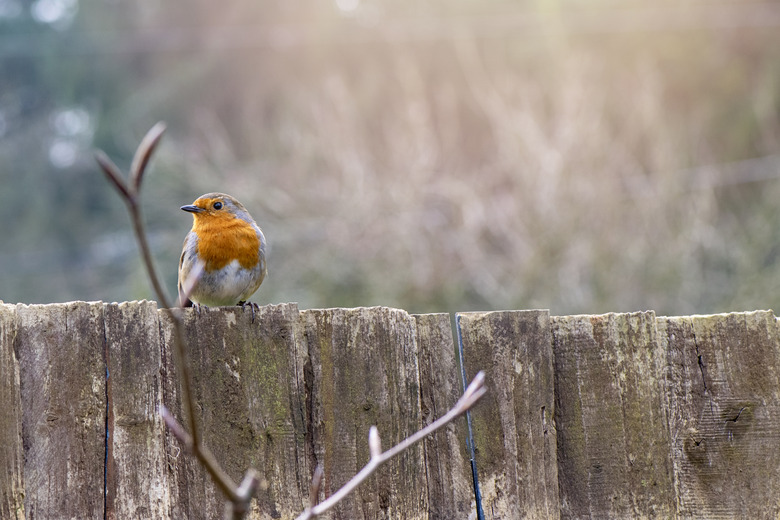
(11, 455)
(365, 372)
(249, 388)
(513, 425)
(613, 416)
(136, 478)
(450, 494)
(63, 395)
(613, 437)
(725, 413)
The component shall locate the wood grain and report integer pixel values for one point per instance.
(597, 416)
(365, 372)
(513, 425)
(137, 482)
(63, 395)
(725, 413)
(249, 388)
(613, 437)
(450, 493)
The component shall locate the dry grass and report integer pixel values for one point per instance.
(569, 173)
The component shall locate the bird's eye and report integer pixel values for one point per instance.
(218, 205)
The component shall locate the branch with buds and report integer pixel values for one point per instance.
(239, 496)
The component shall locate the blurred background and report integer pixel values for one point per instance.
(441, 155)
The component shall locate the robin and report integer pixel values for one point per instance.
(228, 249)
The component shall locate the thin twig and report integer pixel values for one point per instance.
(138, 225)
(316, 483)
(144, 153)
(237, 509)
(473, 393)
(113, 173)
(204, 455)
(130, 193)
(174, 426)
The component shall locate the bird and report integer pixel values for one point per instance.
(226, 249)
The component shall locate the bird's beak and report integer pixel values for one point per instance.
(192, 208)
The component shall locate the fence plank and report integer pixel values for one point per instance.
(63, 395)
(450, 494)
(513, 425)
(11, 455)
(365, 372)
(248, 382)
(613, 438)
(725, 413)
(137, 481)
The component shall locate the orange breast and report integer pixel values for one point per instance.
(222, 240)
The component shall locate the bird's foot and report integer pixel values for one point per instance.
(198, 307)
(251, 305)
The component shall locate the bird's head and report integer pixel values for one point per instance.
(214, 207)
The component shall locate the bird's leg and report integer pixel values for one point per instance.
(251, 305)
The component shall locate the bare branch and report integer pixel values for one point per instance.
(192, 440)
(473, 393)
(130, 193)
(374, 442)
(249, 485)
(175, 427)
(140, 233)
(316, 483)
(195, 444)
(143, 154)
(204, 455)
(238, 509)
(314, 493)
(113, 174)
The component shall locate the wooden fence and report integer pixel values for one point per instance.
(609, 416)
